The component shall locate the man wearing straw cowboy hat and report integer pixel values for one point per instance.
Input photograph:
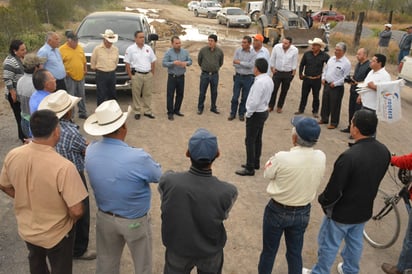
(310, 71)
(72, 146)
(119, 175)
(104, 61)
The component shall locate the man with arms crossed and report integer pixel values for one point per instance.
(120, 175)
(347, 200)
(294, 178)
(48, 194)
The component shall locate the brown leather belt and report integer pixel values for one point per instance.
(313, 77)
(288, 207)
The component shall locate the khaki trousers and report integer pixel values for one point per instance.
(142, 86)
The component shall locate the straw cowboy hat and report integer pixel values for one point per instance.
(110, 36)
(60, 102)
(317, 41)
(107, 118)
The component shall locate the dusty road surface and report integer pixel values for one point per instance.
(167, 140)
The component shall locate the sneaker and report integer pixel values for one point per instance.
(306, 270)
(88, 255)
(339, 268)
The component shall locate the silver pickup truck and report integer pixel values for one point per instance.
(207, 8)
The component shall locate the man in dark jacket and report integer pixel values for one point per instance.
(194, 206)
(348, 197)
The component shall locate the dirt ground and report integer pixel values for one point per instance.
(167, 140)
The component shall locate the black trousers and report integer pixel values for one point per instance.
(175, 92)
(15, 106)
(105, 86)
(307, 86)
(331, 104)
(353, 106)
(253, 141)
(284, 79)
(81, 241)
(60, 257)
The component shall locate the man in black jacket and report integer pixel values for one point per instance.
(194, 206)
(348, 197)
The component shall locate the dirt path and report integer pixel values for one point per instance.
(166, 141)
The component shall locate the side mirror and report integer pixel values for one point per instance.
(153, 37)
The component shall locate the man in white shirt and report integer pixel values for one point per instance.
(283, 63)
(378, 74)
(294, 178)
(256, 115)
(337, 68)
(140, 65)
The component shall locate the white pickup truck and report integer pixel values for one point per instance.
(207, 8)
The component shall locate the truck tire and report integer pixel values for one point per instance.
(196, 13)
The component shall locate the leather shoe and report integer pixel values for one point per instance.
(315, 115)
(231, 117)
(390, 269)
(149, 115)
(345, 130)
(215, 111)
(331, 127)
(137, 116)
(321, 122)
(298, 113)
(279, 110)
(242, 118)
(244, 166)
(83, 116)
(199, 111)
(88, 255)
(245, 172)
(270, 109)
(178, 113)
(170, 117)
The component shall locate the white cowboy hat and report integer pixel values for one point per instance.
(317, 41)
(110, 36)
(107, 118)
(60, 102)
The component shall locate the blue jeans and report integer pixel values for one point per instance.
(405, 261)
(242, 83)
(403, 53)
(330, 236)
(205, 80)
(293, 223)
(175, 85)
(76, 88)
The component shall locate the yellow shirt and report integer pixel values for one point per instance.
(74, 61)
(45, 185)
(104, 59)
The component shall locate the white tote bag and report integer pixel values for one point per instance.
(388, 107)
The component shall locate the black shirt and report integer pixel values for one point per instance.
(361, 71)
(313, 65)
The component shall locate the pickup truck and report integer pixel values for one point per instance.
(207, 8)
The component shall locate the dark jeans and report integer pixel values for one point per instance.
(284, 79)
(307, 85)
(205, 80)
(175, 85)
(353, 106)
(403, 53)
(276, 221)
(242, 83)
(60, 257)
(176, 264)
(61, 84)
(81, 241)
(15, 106)
(254, 132)
(331, 103)
(105, 86)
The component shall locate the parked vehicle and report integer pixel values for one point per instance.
(208, 9)
(122, 23)
(405, 68)
(253, 10)
(232, 16)
(192, 5)
(327, 15)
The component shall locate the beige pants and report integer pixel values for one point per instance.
(112, 233)
(142, 85)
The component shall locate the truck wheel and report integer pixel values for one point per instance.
(196, 13)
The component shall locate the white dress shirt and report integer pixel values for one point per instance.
(259, 95)
(368, 95)
(336, 70)
(283, 60)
